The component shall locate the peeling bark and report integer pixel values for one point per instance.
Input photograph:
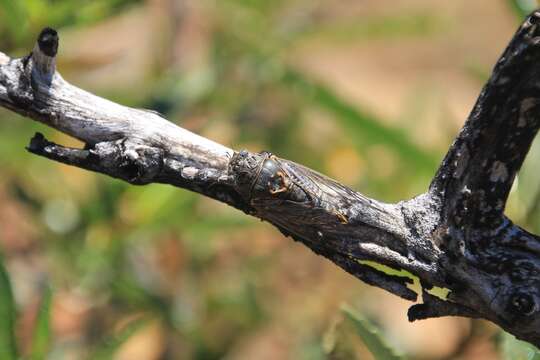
(454, 236)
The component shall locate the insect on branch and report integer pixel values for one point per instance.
(454, 236)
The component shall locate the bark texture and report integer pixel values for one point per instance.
(454, 236)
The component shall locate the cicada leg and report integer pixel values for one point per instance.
(342, 218)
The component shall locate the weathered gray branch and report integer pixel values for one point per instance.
(454, 236)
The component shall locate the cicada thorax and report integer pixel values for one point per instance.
(275, 181)
(263, 176)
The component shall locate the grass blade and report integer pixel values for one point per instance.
(41, 340)
(362, 124)
(514, 349)
(522, 8)
(370, 336)
(113, 344)
(8, 347)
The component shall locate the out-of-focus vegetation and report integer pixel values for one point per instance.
(369, 92)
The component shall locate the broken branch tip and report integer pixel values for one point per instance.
(48, 41)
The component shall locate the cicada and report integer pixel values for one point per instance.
(289, 192)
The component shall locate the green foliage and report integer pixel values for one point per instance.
(42, 338)
(513, 349)
(23, 19)
(422, 24)
(364, 129)
(338, 341)
(522, 8)
(8, 347)
(371, 337)
(14, 16)
(113, 343)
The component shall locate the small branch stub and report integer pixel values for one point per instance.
(48, 42)
(44, 54)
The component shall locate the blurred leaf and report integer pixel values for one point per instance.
(41, 340)
(312, 350)
(129, 292)
(205, 227)
(160, 205)
(262, 6)
(113, 344)
(514, 349)
(338, 341)
(371, 336)
(385, 27)
(13, 13)
(21, 20)
(8, 347)
(362, 126)
(522, 8)
(74, 13)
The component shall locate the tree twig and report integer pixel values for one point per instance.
(454, 236)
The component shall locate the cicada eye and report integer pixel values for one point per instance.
(268, 176)
(270, 167)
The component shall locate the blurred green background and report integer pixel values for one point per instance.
(369, 92)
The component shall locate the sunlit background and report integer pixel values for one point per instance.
(370, 92)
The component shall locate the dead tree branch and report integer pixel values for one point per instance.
(454, 236)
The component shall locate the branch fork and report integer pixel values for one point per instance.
(455, 236)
